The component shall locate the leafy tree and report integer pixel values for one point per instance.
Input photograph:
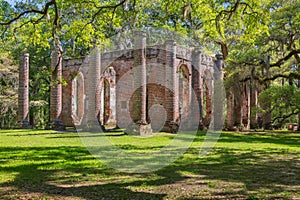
(8, 92)
(37, 26)
(284, 100)
(247, 32)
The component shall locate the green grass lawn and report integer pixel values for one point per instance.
(51, 165)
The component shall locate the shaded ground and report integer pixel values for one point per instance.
(50, 165)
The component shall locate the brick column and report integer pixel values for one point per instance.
(172, 83)
(140, 77)
(218, 94)
(94, 89)
(208, 94)
(197, 80)
(139, 115)
(56, 91)
(23, 95)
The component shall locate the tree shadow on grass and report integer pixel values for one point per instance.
(274, 138)
(292, 139)
(72, 172)
(38, 176)
(106, 134)
(272, 170)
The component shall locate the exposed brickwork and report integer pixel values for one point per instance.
(67, 99)
(146, 84)
(108, 97)
(93, 92)
(23, 95)
(197, 81)
(156, 102)
(139, 76)
(73, 88)
(56, 90)
(218, 95)
(171, 78)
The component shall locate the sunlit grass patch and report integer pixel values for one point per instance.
(39, 164)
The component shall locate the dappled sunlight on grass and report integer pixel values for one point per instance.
(47, 164)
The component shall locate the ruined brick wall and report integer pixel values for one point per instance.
(72, 69)
(67, 98)
(163, 95)
(68, 117)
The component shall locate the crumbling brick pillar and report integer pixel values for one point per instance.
(67, 95)
(197, 81)
(23, 95)
(172, 83)
(56, 90)
(139, 115)
(140, 77)
(218, 94)
(208, 99)
(94, 89)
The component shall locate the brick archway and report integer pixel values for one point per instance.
(116, 76)
(184, 90)
(78, 98)
(107, 114)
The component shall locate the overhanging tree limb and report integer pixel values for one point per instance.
(284, 117)
(32, 11)
(292, 76)
(287, 57)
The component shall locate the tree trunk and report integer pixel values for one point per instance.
(237, 108)
(267, 117)
(230, 111)
(253, 104)
(297, 58)
(299, 89)
(244, 106)
(248, 86)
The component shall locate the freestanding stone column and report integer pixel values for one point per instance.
(140, 126)
(94, 89)
(56, 91)
(23, 95)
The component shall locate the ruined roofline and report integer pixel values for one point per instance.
(183, 53)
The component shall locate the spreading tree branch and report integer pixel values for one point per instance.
(32, 11)
(282, 118)
(100, 8)
(287, 57)
(290, 76)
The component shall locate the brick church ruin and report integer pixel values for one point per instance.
(147, 87)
